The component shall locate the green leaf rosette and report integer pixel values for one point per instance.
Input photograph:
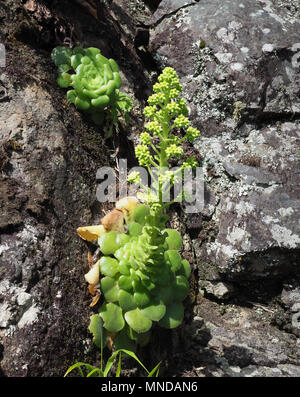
(144, 279)
(94, 83)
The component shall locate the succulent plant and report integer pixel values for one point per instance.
(94, 82)
(142, 277)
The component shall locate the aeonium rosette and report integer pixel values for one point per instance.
(94, 83)
(140, 277)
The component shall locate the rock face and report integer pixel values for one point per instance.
(235, 344)
(49, 157)
(228, 53)
(258, 210)
(239, 65)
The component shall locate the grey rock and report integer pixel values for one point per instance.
(296, 307)
(169, 7)
(47, 190)
(251, 175)
(290, 370)
(257, 211)
(228, 52)
(243, 343)
(238, 64)
(5, 315)
(29, 317)
(23, 299)
(236, 61)
(219, 290)
(290, 295)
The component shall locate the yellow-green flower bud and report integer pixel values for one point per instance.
(156, 99)
(183, 108)
(143, 155)
(190, 163)
(181, 121)
(174, 151)
(134, 177)
(173, 108)
(149, 111)
(161, 87)
(174, 92)
(154, 127)
(145, 138)
(192, 134)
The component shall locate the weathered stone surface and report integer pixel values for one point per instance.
(290, 295)
(231, 54)
(239, 66)
(219, 290)
(243, 345)
(242, 87)
(239, 69)
(259, 208)
(47, 190)
(169, 7)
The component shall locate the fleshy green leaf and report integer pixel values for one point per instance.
(137, 321)
(122, 341)
(139, 213)
(149, 285)
(107, 243)
(141, 295)
(125, 283)
(64, 80)
(108, 266)
(71, 96)
(185, 269)
(124, 268)
(135, 229)
(61, 55)
(122, 239)
(174, 240)
(154, 312)
(110, 289)
(173, 259)
(181, 288)
(112, 317)
(164, 294)
(64, 68)
(126, 301)
(140, 339)
(173, 317)
(96, 328)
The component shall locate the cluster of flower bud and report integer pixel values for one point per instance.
(165, 114)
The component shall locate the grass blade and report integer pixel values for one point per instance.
(119, 367)
(110, 362)
(78, 366)
(133, 355)
(156, 368)
(91, 374)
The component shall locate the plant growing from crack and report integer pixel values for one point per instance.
(94, 83)
(96, 326)
(142, 275)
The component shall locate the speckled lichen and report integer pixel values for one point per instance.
(214, 98)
